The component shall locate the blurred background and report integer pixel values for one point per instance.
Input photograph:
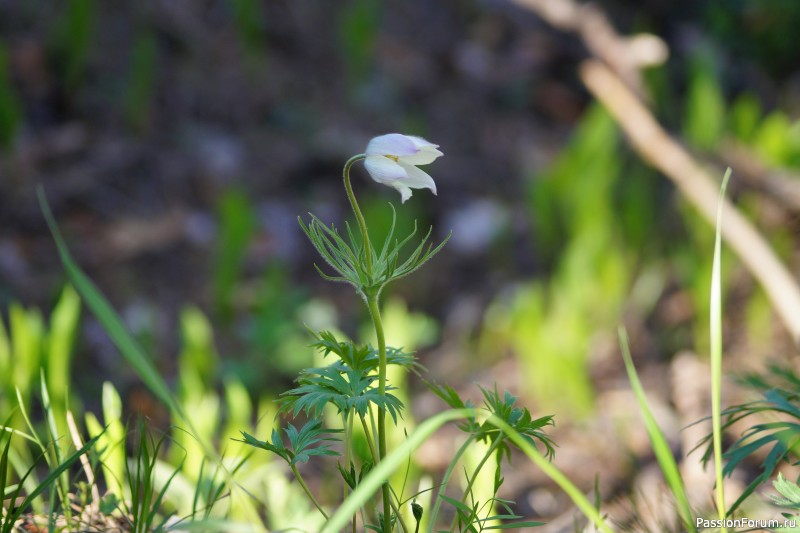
(178, 142)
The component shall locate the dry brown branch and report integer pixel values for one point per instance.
(668, 156)
(615, 81)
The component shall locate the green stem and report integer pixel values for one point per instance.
(308, 491)
(347, 424)
(374, 310)
(370, 443)
(445, 479)
(374, 454)
(471, 481)
(362, 224)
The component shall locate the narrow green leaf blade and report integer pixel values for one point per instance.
(108, 318)
(661, 447)
(54, 474)
(716, 351)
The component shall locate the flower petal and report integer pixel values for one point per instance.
(392, 144)
(384, 170)
(426, 152)
(405, 192)
(417, 179)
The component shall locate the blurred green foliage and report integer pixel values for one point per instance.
(274, 332)
(248, 19)
(358, 31)
(64, 322)
(10, 107)
(237, 223)
(140, 85)
(198, 361)
(29, 346)
(549, 325)
(72, 39)
(704, 118)
(774, 137)
(763, 31)
(111, 440)
(744, 116)
(777, 140)
(26, 337)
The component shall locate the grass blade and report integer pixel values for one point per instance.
(661, 447)
(136, 357)
(104, 313)
(54, 474)
(716, 352)
(60, 339)
(4, 477)
(55, 440)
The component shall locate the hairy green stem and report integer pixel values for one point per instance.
(308, 491)
(374, 310)
(362, 224)
(372, 296)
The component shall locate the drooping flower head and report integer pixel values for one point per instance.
(392, 160)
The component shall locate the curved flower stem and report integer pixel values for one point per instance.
(373, 297)
(308, 491)
(362, 224)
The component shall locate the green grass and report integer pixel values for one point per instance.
(142, 365)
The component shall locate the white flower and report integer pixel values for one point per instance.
(392, 160)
